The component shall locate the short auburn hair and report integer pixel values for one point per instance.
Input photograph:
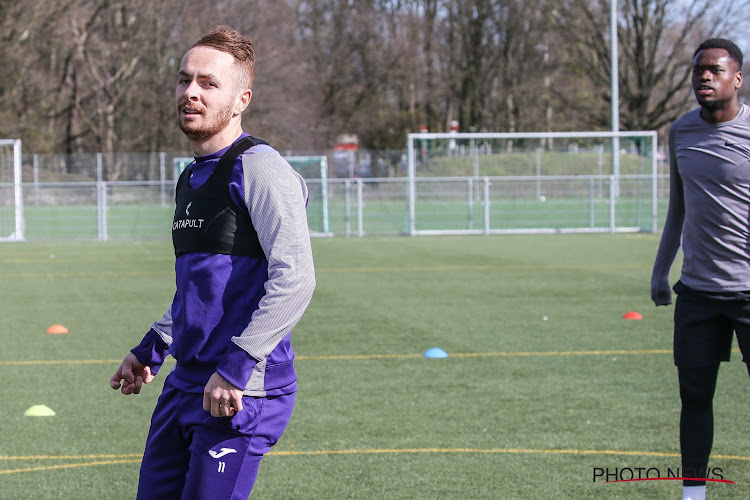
(225, 39)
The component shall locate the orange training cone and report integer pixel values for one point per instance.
(633, 315)
(57, 329)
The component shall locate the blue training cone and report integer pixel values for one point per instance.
(435, 352)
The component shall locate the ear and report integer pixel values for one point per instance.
(738, 82)
(242, 101)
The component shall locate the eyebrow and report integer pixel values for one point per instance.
(714, 66)
(207, 76)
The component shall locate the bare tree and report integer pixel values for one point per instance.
(32, 60)
(478, 58)
(358, 57)
(99, 75)
(656, 38)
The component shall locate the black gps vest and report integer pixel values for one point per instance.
(207, 220)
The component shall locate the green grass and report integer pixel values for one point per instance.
(380, 216)
(523, 408)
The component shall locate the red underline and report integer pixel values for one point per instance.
(672, 479)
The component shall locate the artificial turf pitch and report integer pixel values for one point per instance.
(524, 407)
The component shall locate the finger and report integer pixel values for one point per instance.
(138, 383)
(665, 298)
(149, 376)
(127, 388)
(216, 408)
(114, 382)
(236, 402)
(126, 372)
(226, 409)
(206, 402)
(220, 407)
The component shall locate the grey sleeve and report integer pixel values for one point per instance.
(164, 326)
(672, 234)
(276, 198)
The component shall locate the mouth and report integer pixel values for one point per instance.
(703, 90)
(189, 111)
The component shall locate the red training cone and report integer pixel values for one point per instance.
(633, 315)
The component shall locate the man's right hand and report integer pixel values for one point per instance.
(661, 293)
(131, 375)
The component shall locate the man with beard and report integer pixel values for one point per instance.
(244, 276)
(709, 202)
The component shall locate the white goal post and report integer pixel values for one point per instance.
(314, 169)
(11, 194)
(530, 182)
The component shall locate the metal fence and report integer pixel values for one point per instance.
(370, 206)
(131, 195)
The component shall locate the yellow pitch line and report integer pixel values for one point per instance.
(96, 274)
(491, 354)
(357, 356)
(380, 356)
(61, 362)
(564, 353)
(499, 451)
(345, 357)
(69, 466)
(69, 457)
(481, 451)
(135, 458)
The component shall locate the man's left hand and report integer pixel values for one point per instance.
(221, 398)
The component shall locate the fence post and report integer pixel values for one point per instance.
(600, 167)
(36, 178)
(486, 205)
(470, 203)
(612, 198)
(347, 208)
(538, 156)
(360, 209)
(163, 178)
(475, 157)
(101, 211)
(324, 193)
(592, 207)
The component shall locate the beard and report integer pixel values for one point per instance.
(713, 102)
(210, 125)
(711, 105)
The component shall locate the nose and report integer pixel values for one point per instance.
(188, 90)
(191, 92)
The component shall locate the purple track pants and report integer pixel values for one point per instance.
(192, 455)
